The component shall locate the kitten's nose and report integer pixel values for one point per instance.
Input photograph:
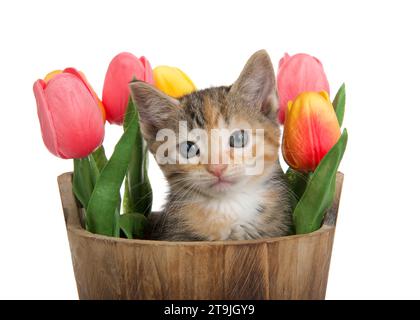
(216, 169)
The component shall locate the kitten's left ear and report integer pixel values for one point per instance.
(256, 86)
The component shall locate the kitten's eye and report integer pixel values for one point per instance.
(189, 149)
(238, 139)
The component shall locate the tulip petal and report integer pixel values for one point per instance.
(173, 81)
(289, 105)
(121, 71)
(284, 60)
(51, 75)
(75, 116)
(148, 71)
(296, 74)
(325, 95)
(83, 78)
(45, 119)
(80, 76)
(310, 131)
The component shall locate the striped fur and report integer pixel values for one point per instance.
(250, 207)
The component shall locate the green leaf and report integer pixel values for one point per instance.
(339, 103)
(319, 193)
(100, 158)
(85, 175)
(94, 170)
(297, 183)
(117, 215)
(133, 225)
(130, 114)
(144, 203)
(127, 202)
(102, 214)
(82, 181)
(138, 192)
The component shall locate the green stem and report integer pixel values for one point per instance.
(83, 182)
(102, 215)
(100, 158)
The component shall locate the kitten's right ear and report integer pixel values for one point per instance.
(155, 108)
(256, 86)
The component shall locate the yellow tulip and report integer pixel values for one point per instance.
(173, 81)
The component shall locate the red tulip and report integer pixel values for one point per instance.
(121, 71)
(297, 74)
(69, 113)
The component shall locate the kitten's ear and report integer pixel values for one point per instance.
(256, 86)
(155, 108)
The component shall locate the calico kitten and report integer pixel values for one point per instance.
(218, 200)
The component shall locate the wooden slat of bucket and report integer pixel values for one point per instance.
(294, 267)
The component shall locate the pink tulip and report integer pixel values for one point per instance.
(69, 113)
(297, 74)
(121, 71)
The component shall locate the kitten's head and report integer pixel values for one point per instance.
(218, 139)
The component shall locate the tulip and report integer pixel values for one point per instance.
(82, 77)
(310, 131)
(173, 81)
(70, 114)
(121, 71)
(297, 74)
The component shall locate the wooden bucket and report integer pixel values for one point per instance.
(292, 267)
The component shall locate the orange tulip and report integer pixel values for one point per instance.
(310, 131)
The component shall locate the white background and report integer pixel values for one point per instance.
(370, 45)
